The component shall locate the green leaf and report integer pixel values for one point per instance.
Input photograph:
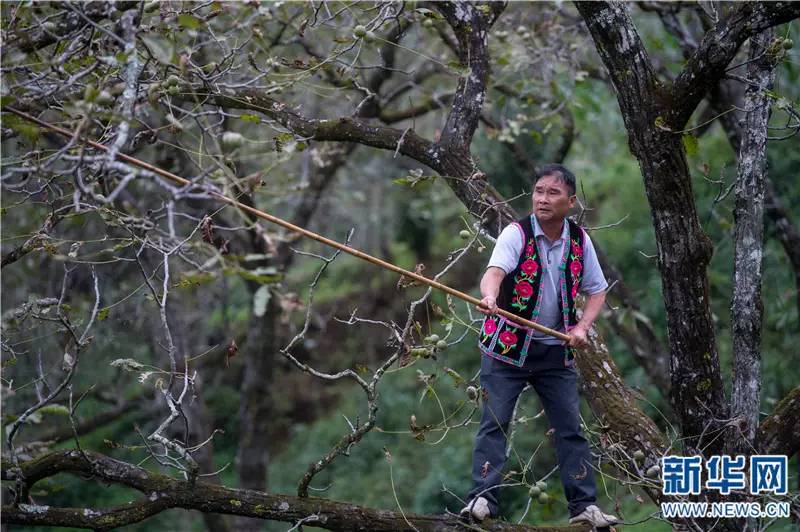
(459, 380)
(163, 49)
(191, 280)
(60, 410)
(457, 68)
(189, 21)
(268, 275)
(22, 127)
(103, 314)
(260, 300)
(251, 118)
(127, 364)
(414, 180)
(690, 144)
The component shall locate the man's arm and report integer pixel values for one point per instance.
(490, 288)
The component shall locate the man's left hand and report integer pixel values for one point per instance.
(578, 337)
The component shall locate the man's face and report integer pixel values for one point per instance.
(551, 199)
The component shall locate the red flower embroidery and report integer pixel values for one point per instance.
(489, 326)
(529, 267)
(576, 249)
(575, 267)
(530, 250)
(508, 338)
(574, 290)
(524, 289)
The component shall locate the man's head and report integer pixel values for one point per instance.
(553, 193)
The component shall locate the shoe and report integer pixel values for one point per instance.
(594, 517)
(479, 508)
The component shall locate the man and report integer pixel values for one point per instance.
(536, 270)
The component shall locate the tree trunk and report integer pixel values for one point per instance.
(684, 250)
(746, 307)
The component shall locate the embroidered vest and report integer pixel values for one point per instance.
(521, 294)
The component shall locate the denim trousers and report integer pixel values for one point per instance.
(556, 385)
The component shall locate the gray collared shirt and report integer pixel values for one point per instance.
(506, 255)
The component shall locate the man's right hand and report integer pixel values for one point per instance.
(488, 305)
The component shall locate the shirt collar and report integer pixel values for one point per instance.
(537, 230)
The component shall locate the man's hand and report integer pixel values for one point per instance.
(488, 305)
(578, 337)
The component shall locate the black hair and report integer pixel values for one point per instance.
(560, 172)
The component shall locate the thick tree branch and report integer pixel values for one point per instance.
(471, 23)
(719, 46)
(342, 129)
(631, 72)
(625, 429)
(779, 433)
(163, 492)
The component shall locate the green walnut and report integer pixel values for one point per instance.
(359, 31)
(232, 140)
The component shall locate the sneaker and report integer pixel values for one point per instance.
(479, 508)
(594, 517)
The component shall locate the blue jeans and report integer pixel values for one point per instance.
(556, 385)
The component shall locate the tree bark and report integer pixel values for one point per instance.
(746, 307)
(723, 98)
(779, 433)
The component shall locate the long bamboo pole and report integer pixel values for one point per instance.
(305, 232)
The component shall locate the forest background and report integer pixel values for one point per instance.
(158, 325)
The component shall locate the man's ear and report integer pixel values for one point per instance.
(572, 200)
